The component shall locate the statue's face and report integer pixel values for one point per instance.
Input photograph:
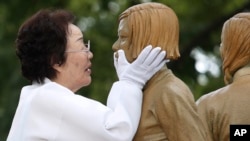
(221, 44)
(124, 39)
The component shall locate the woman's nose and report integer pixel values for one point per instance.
(90, 55)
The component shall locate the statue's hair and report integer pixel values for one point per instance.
(235, 39)
(155, 24)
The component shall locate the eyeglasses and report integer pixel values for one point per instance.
(87, 49)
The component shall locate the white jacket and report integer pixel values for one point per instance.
(51, 112)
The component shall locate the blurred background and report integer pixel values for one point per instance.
(200, 28)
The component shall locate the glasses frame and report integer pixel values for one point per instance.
(87, 49)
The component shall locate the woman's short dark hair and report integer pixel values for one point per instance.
(41, 43)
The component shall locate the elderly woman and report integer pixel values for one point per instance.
(55, 59)
(169, 111)
(230, 104)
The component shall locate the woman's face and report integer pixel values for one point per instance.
(76, 71)
(124, 39)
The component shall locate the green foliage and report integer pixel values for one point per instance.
(200, 26)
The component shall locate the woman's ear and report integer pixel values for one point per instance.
(57, 67)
